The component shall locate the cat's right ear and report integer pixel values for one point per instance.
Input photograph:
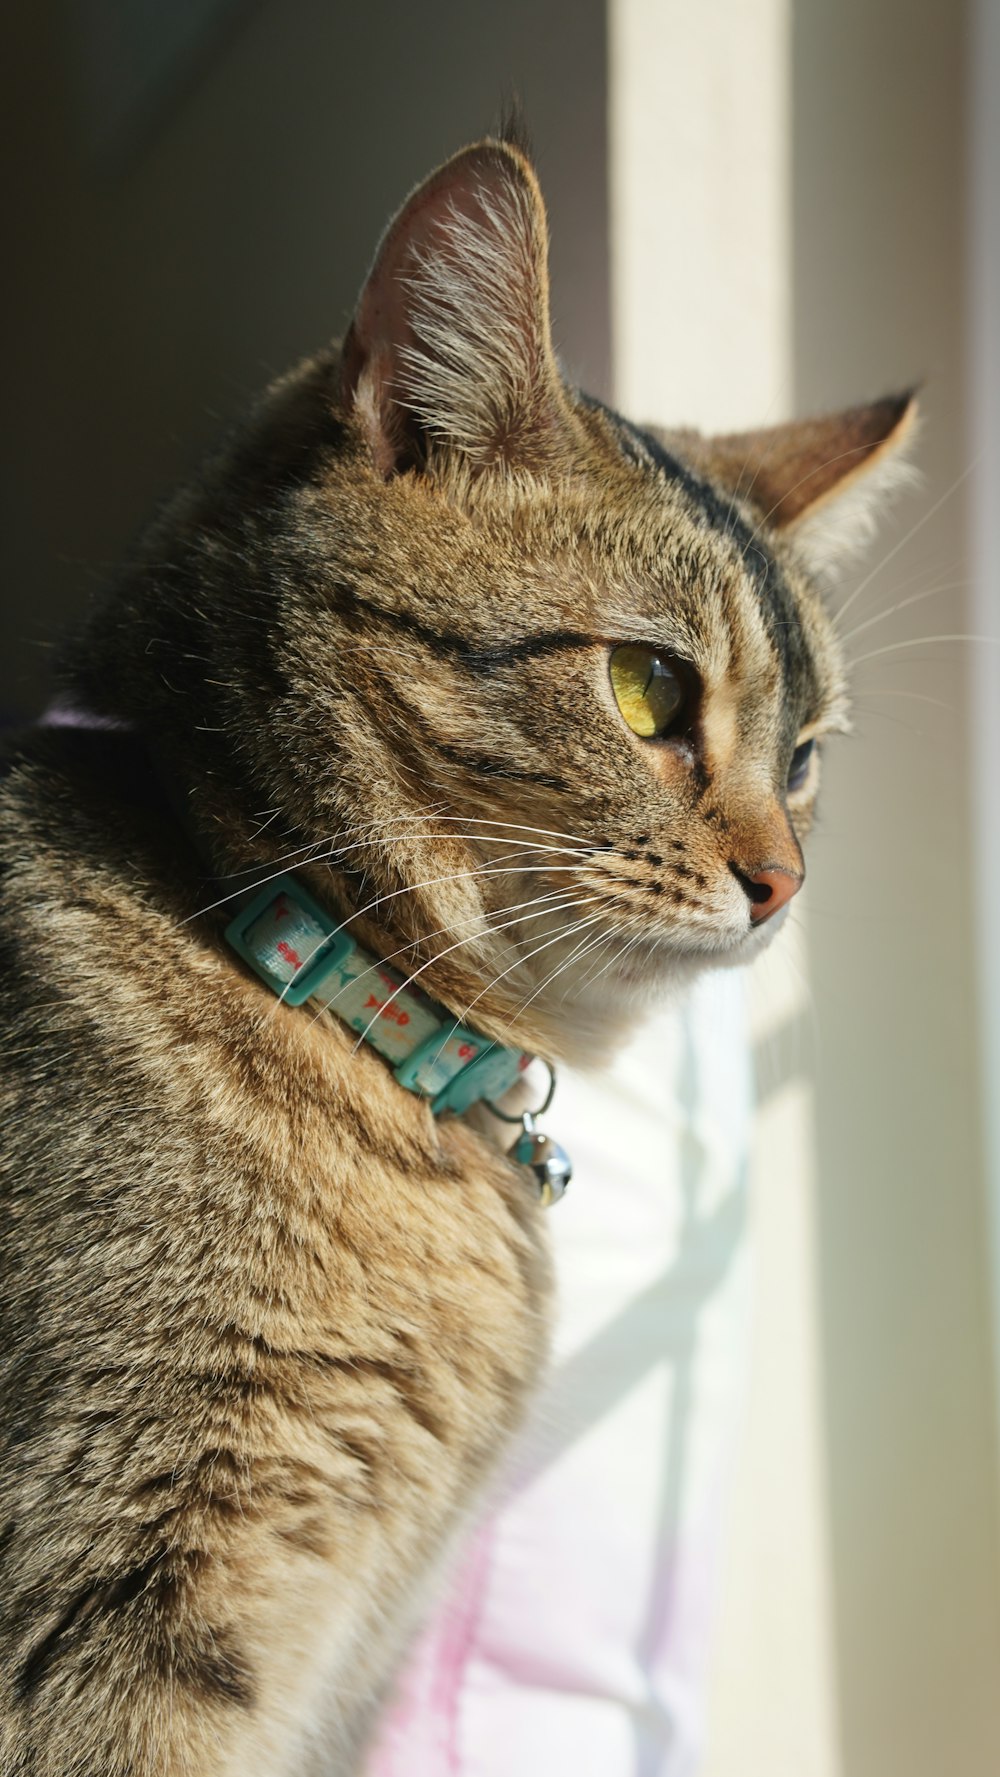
(450, 341)
(825, 481)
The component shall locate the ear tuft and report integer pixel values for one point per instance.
(825, 481)
(451, 335)
(513, 128)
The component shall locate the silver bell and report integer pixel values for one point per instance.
(547, 1160)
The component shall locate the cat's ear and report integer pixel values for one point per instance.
(825, 482)
(450, 339)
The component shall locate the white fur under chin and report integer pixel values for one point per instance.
(591, 1018)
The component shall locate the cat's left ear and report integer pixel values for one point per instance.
(450, 339)
(825, 482)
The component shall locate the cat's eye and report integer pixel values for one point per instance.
(798, 770)
(647, 689)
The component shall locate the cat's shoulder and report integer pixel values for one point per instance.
(92, 868)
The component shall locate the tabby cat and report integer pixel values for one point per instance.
(528, 702)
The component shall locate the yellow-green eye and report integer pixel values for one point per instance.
(647, 690)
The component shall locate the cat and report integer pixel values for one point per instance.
(527, 699)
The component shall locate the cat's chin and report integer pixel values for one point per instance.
(660, 967)
(597, 1017)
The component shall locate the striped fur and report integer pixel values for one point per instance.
(267, 1324)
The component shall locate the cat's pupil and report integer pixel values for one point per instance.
(799, 768)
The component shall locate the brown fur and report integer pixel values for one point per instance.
(267, 1323)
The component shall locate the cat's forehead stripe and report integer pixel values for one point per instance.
(476, 657)
(777, 605)
(481, 765)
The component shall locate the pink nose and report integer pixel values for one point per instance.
(768, 891)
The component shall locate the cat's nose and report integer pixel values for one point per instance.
(768, 890)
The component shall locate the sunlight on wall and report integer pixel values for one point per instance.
(776, 1636)
(701, 282)
(984, 387)
(700, 181)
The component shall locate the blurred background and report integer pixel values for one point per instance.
(758, 208)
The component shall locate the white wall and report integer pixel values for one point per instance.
(701, 210)
(789, 197)
(152, 287)
(702, 291)
(880, 206)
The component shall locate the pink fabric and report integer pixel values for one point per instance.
(574, 1634)
(422, 1733)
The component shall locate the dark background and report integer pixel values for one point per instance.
(195, 191)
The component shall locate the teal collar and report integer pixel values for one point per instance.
(301, 954)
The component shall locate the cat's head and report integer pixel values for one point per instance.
(547, 691)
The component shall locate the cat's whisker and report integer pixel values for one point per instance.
(910, 534)
(895, 721)
(263, 822)
(786, 492)
(741, 493)
(598, 944)
(525, 958)
(916, 579)
(437, 814)
(337, 854)
(915, 598)
(521, 827)
(919, 642)
(565, 963)
(309, 853)
(594, 974)
(526, 850)
(585, 945)
(313, 846)
(491, 868)
(641, 933)
(486, 929)
(616, 958)
(591, 941)
(511, 825)
(516, 964)
(939, 703)
(330, 844)
(372, 836)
